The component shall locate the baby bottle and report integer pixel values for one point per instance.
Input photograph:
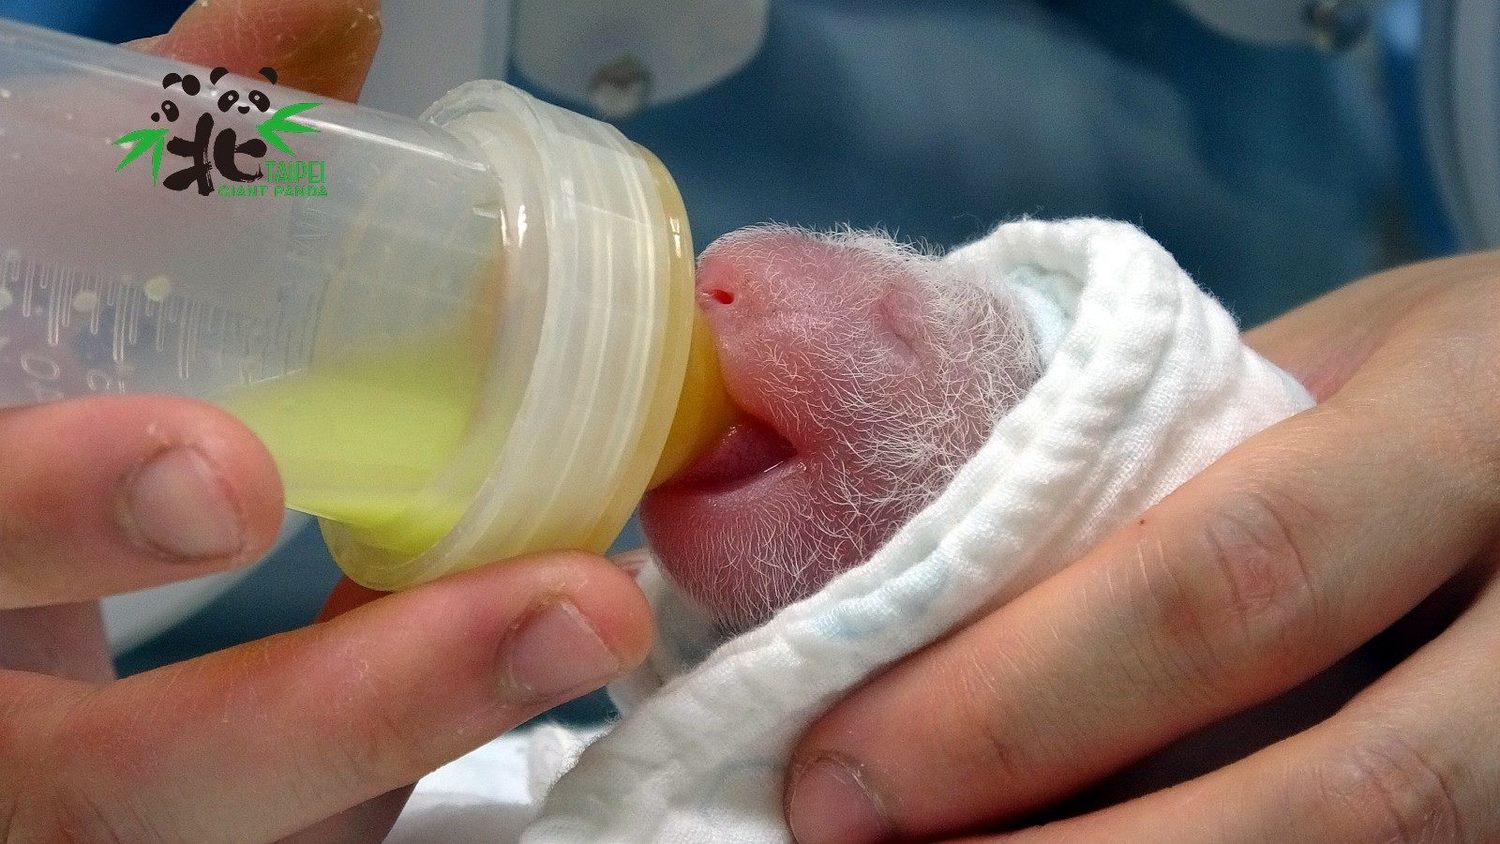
(462, 337)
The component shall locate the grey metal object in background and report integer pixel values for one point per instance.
(616, 57)
(620, 89)
(1460, 73)
(1329, 24)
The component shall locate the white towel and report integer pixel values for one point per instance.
(1146, 383)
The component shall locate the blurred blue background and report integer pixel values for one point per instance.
(1272, 173)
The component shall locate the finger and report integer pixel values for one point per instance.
(371, 820)
(267, 738)
(1285, 555)
(107, 495)
(1323, 343)
(320, 46)
(1410, 759)
(66, 640)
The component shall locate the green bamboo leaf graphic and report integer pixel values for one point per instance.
(279, 121)
(140, 141)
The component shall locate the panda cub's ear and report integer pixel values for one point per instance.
(216, 74)
(269, 73)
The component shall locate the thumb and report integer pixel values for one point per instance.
(321, 46)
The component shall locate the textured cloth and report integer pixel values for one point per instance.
(1146, 382)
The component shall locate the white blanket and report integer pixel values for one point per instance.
(1146, 383)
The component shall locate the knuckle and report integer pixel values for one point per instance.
(9, 802)
(381, 738)
(1237, 593)
(1252, 546)
(1002, 711)
(1385, 787)
(91, 768)
(81, 793)
(31, 523)
(1176, 665)
(1258, 588)
(985, 736)
(96, 744)
(30, 506)
(1467, 446)
(71, 813)
(21, 527)
(45, 803)
(382, 742)
(1458, 378)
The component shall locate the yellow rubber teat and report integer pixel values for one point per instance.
(704, 412)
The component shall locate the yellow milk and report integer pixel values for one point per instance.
(358, 441)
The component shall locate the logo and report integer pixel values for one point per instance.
(241, 163)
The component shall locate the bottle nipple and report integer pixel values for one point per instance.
(704, 412)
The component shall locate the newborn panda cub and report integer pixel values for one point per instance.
(868, 372)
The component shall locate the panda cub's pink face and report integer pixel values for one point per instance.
(867, 372)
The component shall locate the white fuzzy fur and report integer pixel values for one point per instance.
(911, 443)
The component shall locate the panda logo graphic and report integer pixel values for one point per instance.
(211, 149)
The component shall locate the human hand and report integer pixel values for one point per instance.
(108, 495)
(1290, 552)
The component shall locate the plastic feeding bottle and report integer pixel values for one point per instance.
(462, 337)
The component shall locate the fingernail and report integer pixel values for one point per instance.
(180, 505)
(830, 802)
(557, 651)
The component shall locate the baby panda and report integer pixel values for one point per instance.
(868, 372)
